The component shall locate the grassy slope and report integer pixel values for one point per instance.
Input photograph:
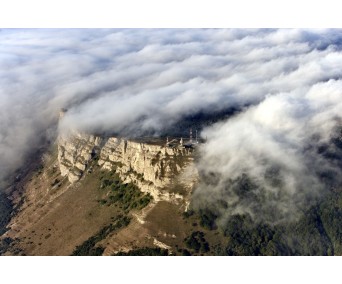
(60, 220)
(56, 217)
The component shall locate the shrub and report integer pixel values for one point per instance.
(146, 251)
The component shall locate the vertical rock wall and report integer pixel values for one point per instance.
(151, 167)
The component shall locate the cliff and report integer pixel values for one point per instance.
(75, 151)
(151, 166)
(57, 214)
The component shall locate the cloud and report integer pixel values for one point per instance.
(265, 161)
(286, 84)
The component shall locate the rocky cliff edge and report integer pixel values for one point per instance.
(152, 167)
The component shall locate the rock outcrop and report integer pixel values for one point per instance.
(152, 167)
(75, 152)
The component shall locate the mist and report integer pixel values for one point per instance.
(275, 159)
(285, 84)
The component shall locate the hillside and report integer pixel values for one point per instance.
(95, 195)
(85, 185)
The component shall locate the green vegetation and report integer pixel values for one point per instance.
(304, 237)
(129, 196)
(39, 170)
(89, 246)
(6, 245)
(197, 243)
(125, 195)
(5, 212)
(146, 251)
(207, 219)
(317, 232)
(330, 212)
(185, 252)
(188, 213)
(246, 239)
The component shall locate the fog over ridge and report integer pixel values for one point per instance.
(287, 84)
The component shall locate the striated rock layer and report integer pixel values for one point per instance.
(151, 167)
(75, 152)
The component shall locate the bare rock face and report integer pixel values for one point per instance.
(75, 152)
(151, 167)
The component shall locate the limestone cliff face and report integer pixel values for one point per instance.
(151, 167)
(75, 152)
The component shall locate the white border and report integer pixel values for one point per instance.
(170, 269)
(170, 13)
(176, 13)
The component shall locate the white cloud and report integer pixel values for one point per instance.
(143, 80)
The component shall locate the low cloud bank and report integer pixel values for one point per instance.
(285, 83)
(275, 159)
